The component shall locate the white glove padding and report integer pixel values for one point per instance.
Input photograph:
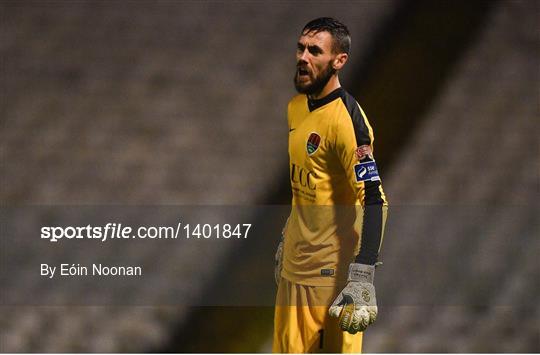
(278, 262)
(356, 305)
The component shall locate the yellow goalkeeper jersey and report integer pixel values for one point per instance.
(338, 206)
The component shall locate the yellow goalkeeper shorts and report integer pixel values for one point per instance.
(302, 323)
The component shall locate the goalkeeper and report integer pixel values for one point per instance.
(326, 260)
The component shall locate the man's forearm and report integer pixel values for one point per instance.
(374, 221)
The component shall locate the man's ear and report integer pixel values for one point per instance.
(340, 60)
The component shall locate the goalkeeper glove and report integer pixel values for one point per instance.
(278, 261)
(356, 305)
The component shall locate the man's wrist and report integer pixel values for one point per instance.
(361, 273)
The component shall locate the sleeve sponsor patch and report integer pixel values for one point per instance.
(366, 171)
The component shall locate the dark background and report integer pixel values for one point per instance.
(136, 103)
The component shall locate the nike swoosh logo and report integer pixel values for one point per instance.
(292, 129)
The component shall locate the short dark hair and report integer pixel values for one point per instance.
(340, 32)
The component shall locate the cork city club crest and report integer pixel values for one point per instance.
(313, 143)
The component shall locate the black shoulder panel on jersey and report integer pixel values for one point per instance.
(361, 130)
(373, 200)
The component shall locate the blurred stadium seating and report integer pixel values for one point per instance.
(183, 103)
(476, 153)
(142, 103)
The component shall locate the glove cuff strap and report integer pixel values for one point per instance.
(361, 273)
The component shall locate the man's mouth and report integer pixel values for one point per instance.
(303, 72)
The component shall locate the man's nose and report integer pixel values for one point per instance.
(303, 56)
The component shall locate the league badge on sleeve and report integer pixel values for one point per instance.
(366, 171)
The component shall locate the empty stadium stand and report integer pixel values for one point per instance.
(461, 256)
(142, 103)
(177, 103)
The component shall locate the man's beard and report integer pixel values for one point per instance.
(317, 85)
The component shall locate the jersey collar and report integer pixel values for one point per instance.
(315, 104)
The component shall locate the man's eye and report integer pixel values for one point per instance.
(315, 50)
